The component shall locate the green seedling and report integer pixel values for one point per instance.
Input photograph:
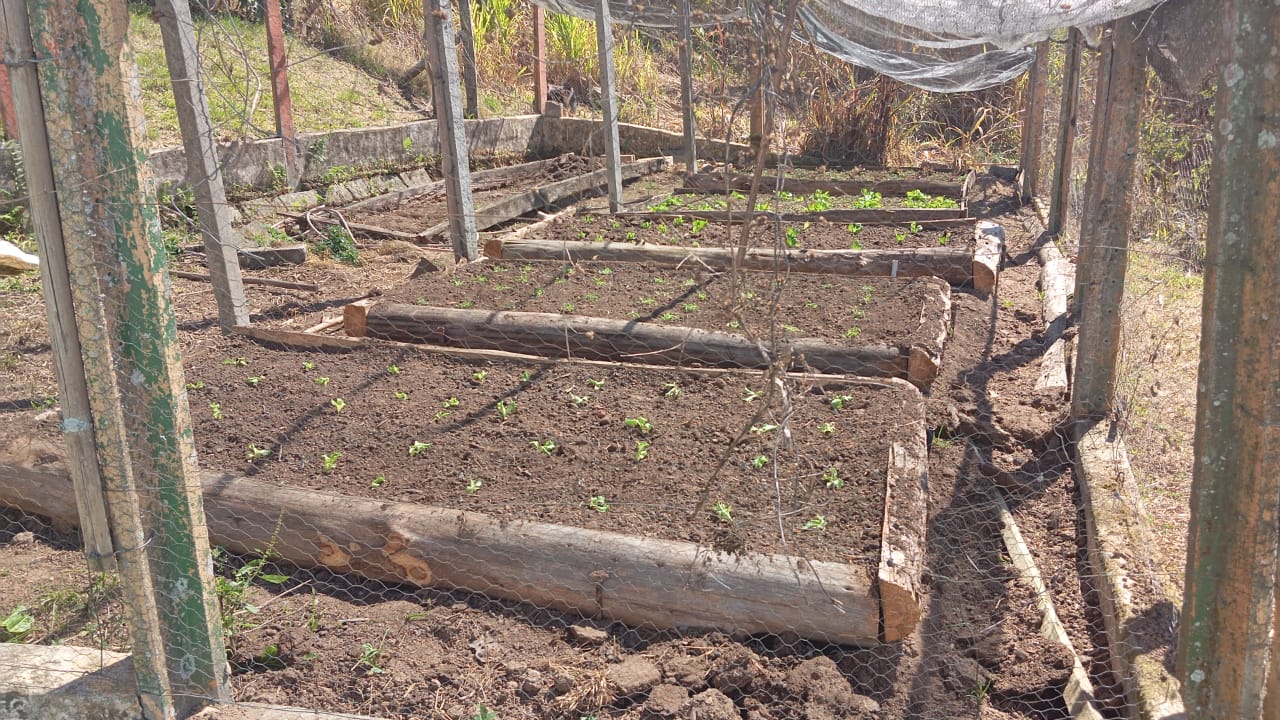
(853, 228)
(671, 390)
(526, 376)
(639, 423)
(466, 304)
(750, 395)
(598, 503)
(811, 305)
(253, 380)
(400, 395)
(597, 384)
(450, 403)
(827, 428)
(378, 482)
(853, 332)
(761, 429)
(567, 308)
(546, 447)
(237, 361)
(370, 656)
(393, 369)
(758, 462)
(820, 200)
(257, 453)
(723, 512)
(868, 199)
(474, 485)
(900, 236)
(792, 237)
(479, 376)
(506, 408)
(338, 404)
(539, 292)
(921, 199)
(831, 478)
(578, 400)
(605, 271)
(817, 522)
(330, 461)
(308, 365)
(944, 239)
(669, 316)
(915, 227)
(418, 447)
(216, 410)
(17, 626)
(697, 226)
(689, 307)
(322, 380)
(484, 713)
(642, 449)
(838, 402)
(790, 328)
(197, 385)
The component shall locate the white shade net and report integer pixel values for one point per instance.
(938, 45)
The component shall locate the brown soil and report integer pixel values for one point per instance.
(850, 311)
(340, 644)
(783, 202)
(816, 235)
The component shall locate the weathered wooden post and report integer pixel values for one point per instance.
(686, 90)
(281, 100)
(539, 60)
(8, 115)
(609, 104)
(1104, 226)
(73, 395)
(204, 173)
(1228, 608)
(1033, 122)
(454, 161)
(128, 338)
(470, 84)
(1060, 195)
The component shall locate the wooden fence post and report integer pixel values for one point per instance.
(8, 115)
(1104, 226)
(469, 81)
(1033, 122)
(1060, 195)
(454, 161)
(539, 60)
(278, 61)
(77, 428)
(686, 90)
(204, 173)
(609, 104)
(1231, 577)
(128, 337)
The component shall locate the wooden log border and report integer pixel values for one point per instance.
(988, 252)
(1057, 278)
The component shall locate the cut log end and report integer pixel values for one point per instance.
(899, 609)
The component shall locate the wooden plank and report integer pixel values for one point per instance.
(268, 282)
(257, 258)
(1078, 692)
(129, 340)
(466, 38)
(557, 335)
(988, 252)
(902, 541)
(1056, 281)
(1132, 593)
(513, 207)
(480, 180)
(1104, 226)
(355, 227)
(299, 340)
(55, 281)
(1060, 193)
(1033, 121)
(722, 183)
(953, 265)
(324, 325)
(609, 104)
(635, 580)
(454, 162)
(1229, 608)
(204, 171)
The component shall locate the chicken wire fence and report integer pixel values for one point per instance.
(711, 517)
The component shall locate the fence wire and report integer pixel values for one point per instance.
(706, 481)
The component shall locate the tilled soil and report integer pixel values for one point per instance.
(335, 643)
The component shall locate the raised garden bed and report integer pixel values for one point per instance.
(846, 180)
(804, 235)
(675, 315)
(708, 461)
